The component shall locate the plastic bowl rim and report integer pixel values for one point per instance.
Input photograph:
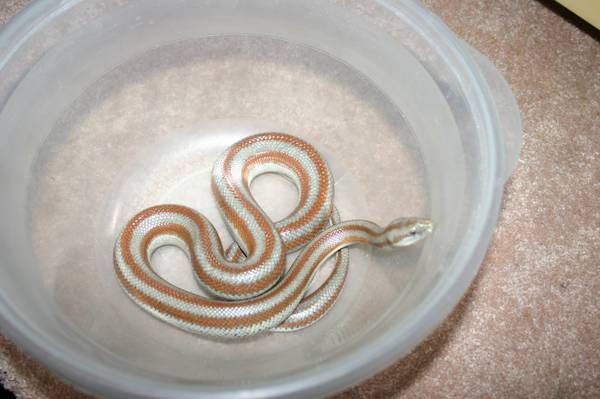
(344, 370)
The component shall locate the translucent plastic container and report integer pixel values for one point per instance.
(107, 107)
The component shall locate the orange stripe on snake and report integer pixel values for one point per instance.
(252, 293)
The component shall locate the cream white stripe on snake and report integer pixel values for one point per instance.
(254, 296)
(296, 225)
(199, 309)
(294, 152)
(231, 184)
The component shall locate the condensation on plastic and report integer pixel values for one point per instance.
(108, 106)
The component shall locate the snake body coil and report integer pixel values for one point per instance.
(248, 279)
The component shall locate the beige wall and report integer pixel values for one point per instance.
(586, 9)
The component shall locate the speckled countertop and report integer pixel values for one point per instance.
(530, 324)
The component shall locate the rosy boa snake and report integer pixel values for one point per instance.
(252, 293)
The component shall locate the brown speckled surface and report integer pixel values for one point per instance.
(530, 324)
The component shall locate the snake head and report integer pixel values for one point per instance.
(407, 231)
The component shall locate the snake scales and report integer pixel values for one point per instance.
(252, 293)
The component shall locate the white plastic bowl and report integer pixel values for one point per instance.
(107, 107)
